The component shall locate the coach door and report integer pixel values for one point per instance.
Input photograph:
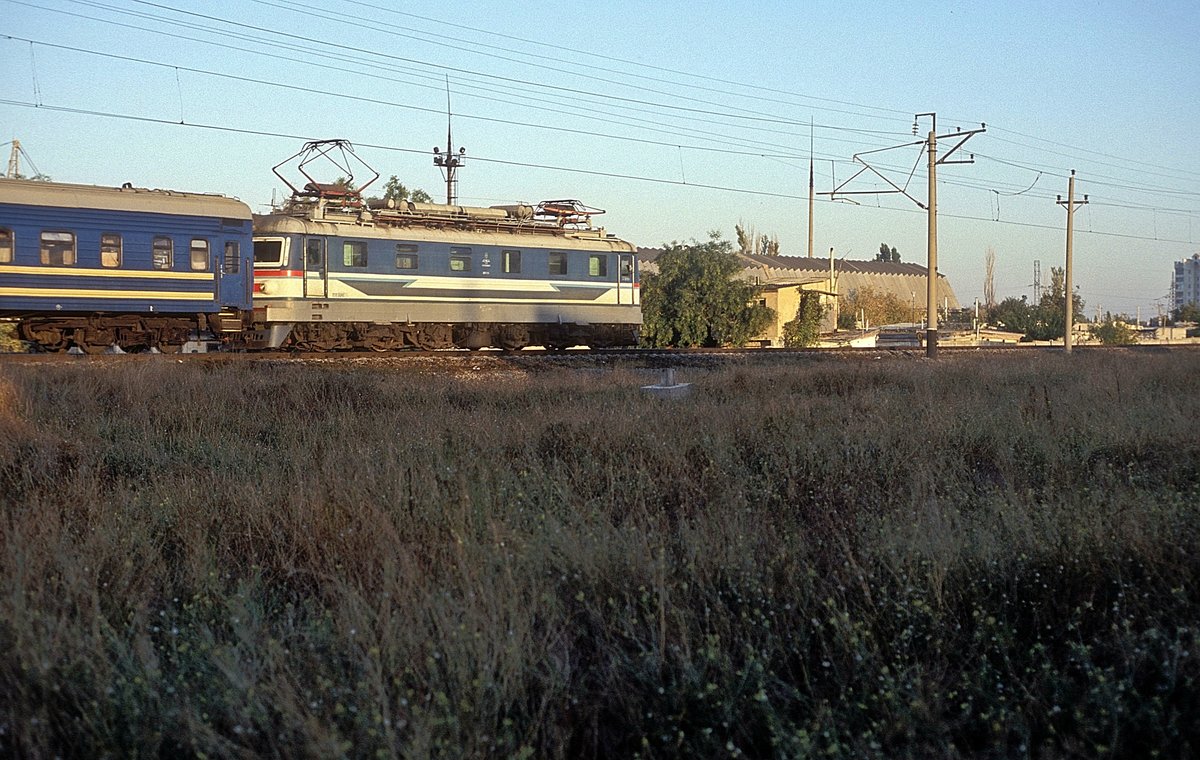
(625, 279)
(315, 275)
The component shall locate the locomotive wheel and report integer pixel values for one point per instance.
(513, 337)
(435, 337)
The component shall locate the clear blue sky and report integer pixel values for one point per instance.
(638, 106)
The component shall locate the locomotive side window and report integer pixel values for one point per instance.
(460, 259)
(58, 249)
(233, 257)
(6, 246)
(199, 254)
(512, 262)
(162, 252)
(110, 250)
(354, 253)
(268, 253)
(598, 265)
(406, 256)
(558, 263)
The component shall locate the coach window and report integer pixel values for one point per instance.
(58, 249)
(233, 257)
(162, 252)
(406, 256)
(512, 262)
(6, 246)
(558, 263)
(199, 254)
(598, 265)
(460, 259)
(354, 253)
(110, 250)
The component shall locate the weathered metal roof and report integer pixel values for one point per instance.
(128, 198)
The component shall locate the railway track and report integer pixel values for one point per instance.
(654, 357)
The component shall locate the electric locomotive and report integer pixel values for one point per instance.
(95, 267)
(333, 272)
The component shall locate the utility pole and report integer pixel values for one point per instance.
(930, 144)
(931, 328)
(1071, 204)
(832, 281)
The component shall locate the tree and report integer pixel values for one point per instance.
(1114, 332)
(1051, 312)
(394, 190)
(879, 307)
(694, 299)
(887, 254)
(805, 328)
(1189, 312)
(1013, 314)
(750, 242)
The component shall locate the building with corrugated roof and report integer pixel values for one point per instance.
(783, 278)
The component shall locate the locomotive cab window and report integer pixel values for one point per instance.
(598, 265)
(354, 253)
(58, 249)
(512, 262)
(6, 245)
(406, 256)
(460, 259)
(199, 254)
(270, 252)
(558, 263)
(110, 250)
(162, 252)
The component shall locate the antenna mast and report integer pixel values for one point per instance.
(810, 189)
(451, 161)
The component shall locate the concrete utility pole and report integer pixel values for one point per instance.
(931, 327)
(930, 144)
(1070, 204)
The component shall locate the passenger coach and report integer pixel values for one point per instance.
(94, 267)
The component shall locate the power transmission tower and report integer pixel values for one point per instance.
(14, 160)
(1037, 281)
(1070, 204)
(930, 148)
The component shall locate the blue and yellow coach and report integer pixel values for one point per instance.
(95, 267)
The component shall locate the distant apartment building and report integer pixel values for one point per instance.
(1187, 282)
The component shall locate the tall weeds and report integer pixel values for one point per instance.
(980, 556)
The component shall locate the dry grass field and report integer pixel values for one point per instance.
(982, 556)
